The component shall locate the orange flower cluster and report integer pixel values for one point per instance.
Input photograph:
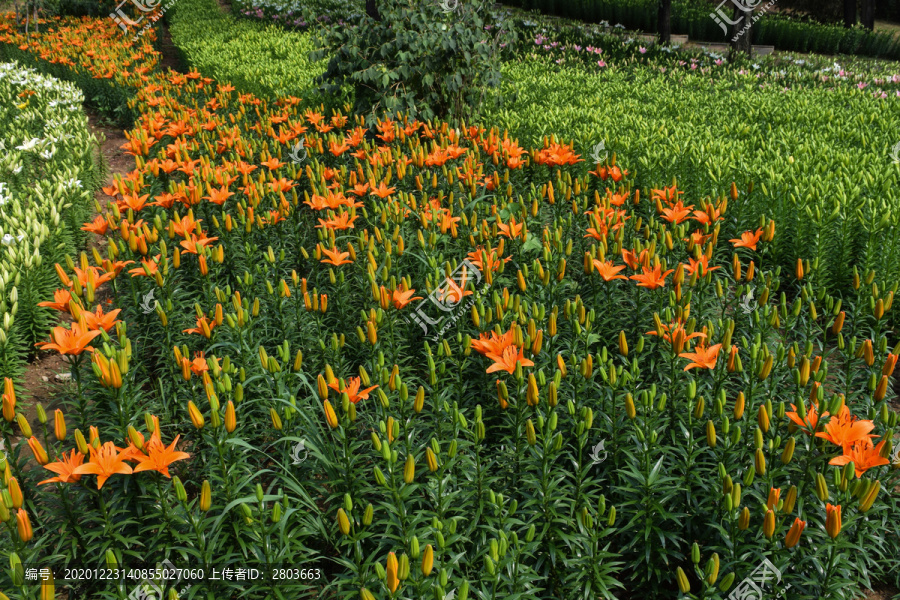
(107, 459)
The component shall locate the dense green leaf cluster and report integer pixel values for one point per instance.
(419, 57)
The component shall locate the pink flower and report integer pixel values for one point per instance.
(600, 63)
(642, 50)
(718, 61)
(862, 85)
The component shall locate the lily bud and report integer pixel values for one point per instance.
(205, 496)
(23, 525)
(409, 469)
(343, 521)
(431, 459)
(330, 415)
(788, 452)
(793, 535)
(428, 560)
(869, 497)
(195, 414)
(230, 417)
(760, 462)
(59, 425)
(683, 584)
(391, 573)
(769, 524)
(744, 519)
(739, 406)
(833, 520)
(40, 455)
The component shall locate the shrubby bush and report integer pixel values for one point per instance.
(418, 58)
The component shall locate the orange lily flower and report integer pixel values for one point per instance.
(69, 341)
(273, 163)
(677, 213)
(61, 300)
(703, 358)
(698, 238)
(92, 276)
(340, 222)
(146, 265)
(812, 418)
(666, 194)
(863, 454)
(352, 389)
(635, 260)
(491, 343)
(158, 457)
(200, 329)
(98, 320)
(507, 361)
(607, 270)
(512, 230)
(383, 191)
(401, 298)
(493, 260)
(702, 265)
(844, 429)
(336, 257)
(198, 365)
(676, 335)
(748, 239)
(65, 468)
(104, 463)
(652, 279)
(99, 225)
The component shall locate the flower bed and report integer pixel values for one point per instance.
(48, 172)
(420, 360)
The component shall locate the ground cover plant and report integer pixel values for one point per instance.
(425, 359)
(49, 169)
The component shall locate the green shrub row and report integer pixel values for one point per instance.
(696, 21)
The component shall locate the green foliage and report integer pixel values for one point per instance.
(48, 172)
(790, 151)
(418, 58)
(264, 60)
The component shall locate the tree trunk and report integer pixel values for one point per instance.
(868, 14)
(372, 10)
(664, 21)
(849, 13)
(742, 39)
